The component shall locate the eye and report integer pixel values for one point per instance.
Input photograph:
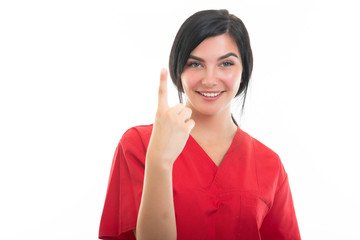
(227, 64)
(194, 64)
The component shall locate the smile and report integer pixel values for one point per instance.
(211, 95)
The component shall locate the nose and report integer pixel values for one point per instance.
(210, 78)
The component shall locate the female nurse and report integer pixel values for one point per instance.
(194, 174)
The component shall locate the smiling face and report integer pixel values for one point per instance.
(212, 75)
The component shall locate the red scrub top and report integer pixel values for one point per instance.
(246, 197)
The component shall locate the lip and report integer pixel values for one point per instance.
(210, 98)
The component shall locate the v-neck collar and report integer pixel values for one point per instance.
(212, 177)
(233, 146)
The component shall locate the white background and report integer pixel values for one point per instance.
(74, 75)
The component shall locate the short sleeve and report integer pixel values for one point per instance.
(280, 223)
(124, 189)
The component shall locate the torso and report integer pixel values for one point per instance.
(232, 201)
(226, 202)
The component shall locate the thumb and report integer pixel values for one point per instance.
(190, 125)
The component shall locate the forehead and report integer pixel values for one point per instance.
(216, 46)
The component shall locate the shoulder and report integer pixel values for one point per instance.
(269, 168)
(133, 144)
(261, 151)
(138, 133)
(135, 136)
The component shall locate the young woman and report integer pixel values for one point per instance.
(194, 174)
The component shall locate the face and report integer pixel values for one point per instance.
(212, 75)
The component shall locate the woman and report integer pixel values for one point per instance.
(194, 174)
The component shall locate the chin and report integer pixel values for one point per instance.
(208, 111)
(209, 108)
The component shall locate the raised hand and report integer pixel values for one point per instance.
(171, 128)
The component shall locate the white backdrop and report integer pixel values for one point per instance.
(74, 75)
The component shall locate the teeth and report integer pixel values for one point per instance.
(210, 94)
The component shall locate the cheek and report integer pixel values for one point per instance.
(189, 80)
(232, 79)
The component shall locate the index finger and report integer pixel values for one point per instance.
(163, 96)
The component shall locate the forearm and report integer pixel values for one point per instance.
(156, 218)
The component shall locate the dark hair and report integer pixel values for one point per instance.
(206, 24)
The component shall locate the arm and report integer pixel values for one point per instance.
(281, 223)
(156, 217)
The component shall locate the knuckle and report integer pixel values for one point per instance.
(180, 106)
(161, 91)
(158, 114)
(186, 128)
(168, 115)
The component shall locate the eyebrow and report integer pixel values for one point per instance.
(220, 58)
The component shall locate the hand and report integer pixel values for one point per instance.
(171, 129)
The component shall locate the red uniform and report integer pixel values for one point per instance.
(246, 197)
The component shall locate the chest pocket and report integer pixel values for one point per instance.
(228, 215)
(253, 212)
(241, 215)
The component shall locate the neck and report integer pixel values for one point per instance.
(218, 126)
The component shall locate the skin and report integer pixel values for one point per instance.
(218, 70)
(214, 66)
(171, 129)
